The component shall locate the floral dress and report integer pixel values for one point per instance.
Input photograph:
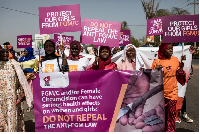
(11, 115)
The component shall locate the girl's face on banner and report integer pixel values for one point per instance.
(130, 53)
(104, 54)
(74, 50)
(49, 47)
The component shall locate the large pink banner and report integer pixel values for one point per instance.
(99, 32)
(59, 19)
(93, 101)
(154, 26)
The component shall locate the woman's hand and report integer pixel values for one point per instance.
(114, 68)
(183, 57)
(159, 67)
(62, 49)
(96, 60)
(142, 69)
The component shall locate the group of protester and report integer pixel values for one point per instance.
(16, 76)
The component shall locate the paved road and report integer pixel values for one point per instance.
(192, 103)
(192, 96)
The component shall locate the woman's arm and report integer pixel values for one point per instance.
(36, 65)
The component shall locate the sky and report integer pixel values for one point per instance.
(14, 23)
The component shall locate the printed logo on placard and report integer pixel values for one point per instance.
(168, 68)
(46, 80)
(73, 68)
(49, 68)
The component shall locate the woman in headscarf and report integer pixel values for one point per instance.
(51, 62)
(29, 64)
(103, 61)
(172, 72)
(131, 59)
(76, 61)
(28, 61)
(12, 79)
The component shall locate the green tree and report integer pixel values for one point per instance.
(179, 11)
(124, 26)
(162, 12)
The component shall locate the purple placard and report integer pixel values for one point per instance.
(59, 19)
(125, 37)
(181, 28)
(99, 32)
(24, 41)
(154, 26)
(66, 40)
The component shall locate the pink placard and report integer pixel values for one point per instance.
(99, 32)
(180, 28)
(125, 37)
(59, 19)
(24, 41)
(154, 26)
(65, 39)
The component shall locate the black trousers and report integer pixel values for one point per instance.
(183, 106)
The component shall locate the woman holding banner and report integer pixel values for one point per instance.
(77, 62)
(131, 59)
(51, 62)
(12, 80)
(172, 72)
(103, 61)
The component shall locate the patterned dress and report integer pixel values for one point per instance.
(11, 115)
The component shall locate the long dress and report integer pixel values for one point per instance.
(11, 115)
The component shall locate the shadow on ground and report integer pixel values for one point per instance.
(29, 126)
(183, 130)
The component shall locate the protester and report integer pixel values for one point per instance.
(172, 72)
(131, 59)
(51, 62)
(10, 55)
(103, 61)
(115, 50)
(28, 61)
(11, 114)
(90, 50)
(29, 64)
(122, 48)
(181, 102)
(76, 62)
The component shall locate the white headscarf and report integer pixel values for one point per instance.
(138, 59)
